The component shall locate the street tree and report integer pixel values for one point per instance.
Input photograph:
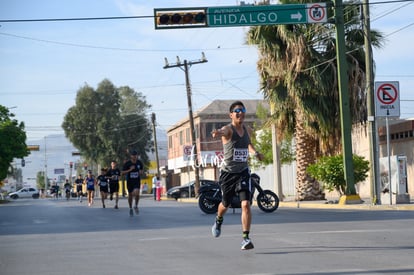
(40, 180)
(102, 128)
(262, 141)
(12, 141)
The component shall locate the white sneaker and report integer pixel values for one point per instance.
(247, 244)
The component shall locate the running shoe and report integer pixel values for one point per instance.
(116, 207)
(103, 206)
(131, 212)
(136, 210)
(247, 244)
(216, 229)
(110, 197)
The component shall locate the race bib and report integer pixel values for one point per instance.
(240, 154)
(134, 175)
(103, 183)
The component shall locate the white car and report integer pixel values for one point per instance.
(25, 192)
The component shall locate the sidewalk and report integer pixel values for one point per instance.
(328, 205)
(324, 204)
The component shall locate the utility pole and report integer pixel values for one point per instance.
(375, 194)
(155, 144)
(277, 181)
(346, 125)
(186, 66)
(45, 170)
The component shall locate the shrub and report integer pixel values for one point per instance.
(329, 171)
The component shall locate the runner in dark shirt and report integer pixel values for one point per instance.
(113, 175)
(103, 185)
(79, 186)
(133, 169)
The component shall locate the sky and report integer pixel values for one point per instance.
(44, 64)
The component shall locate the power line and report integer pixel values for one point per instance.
(141, 16)
(74, 19)
(111, 48)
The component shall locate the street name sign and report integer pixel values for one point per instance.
(245, 15)
(387, 99)
(266, 15)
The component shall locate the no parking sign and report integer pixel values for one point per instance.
(387, 99)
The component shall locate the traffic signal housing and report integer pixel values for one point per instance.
(180, 18)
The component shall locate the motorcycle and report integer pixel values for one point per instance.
(210, 197)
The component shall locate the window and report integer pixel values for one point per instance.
(209, 128)
(187, 135)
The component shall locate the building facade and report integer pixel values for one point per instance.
(401, 146)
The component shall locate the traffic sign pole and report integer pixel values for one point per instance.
(387, 104)
(345, 116)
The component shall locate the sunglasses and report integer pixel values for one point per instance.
(239, 110)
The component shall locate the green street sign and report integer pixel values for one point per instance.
(266, 15)
(232, 16)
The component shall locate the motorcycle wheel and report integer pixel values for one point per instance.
(207, 205)
(267, 201)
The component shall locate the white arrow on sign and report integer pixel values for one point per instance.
(297, 16)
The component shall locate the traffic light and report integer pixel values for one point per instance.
(180, 18)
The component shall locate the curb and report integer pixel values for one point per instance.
(326, 205)
(319, 205)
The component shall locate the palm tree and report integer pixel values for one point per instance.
(298, 72)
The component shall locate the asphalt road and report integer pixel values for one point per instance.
(46, 236)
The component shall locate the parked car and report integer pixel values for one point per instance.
(25, 192)
(183, 191)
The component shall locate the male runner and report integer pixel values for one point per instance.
(79, 185)
(133, 169)
(103, 186)
(113, 175)
(234, 173)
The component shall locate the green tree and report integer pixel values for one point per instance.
(298, 71)
(108, 121)
(40, 180)
(263, 142)
(12, 140)
(329, 170)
